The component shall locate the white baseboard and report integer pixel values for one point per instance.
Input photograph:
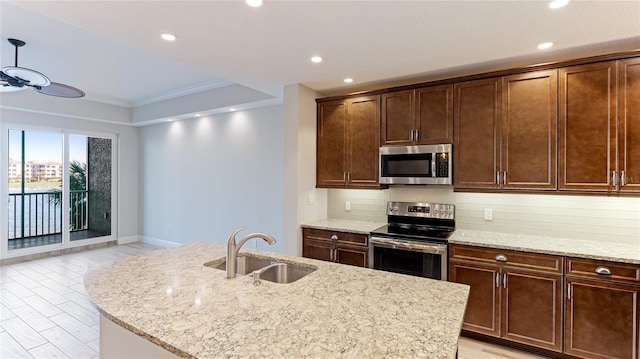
(159, 242)
(127, 240)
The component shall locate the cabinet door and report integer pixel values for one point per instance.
(532, 308)
(601, 320)
(317, 250)
(434, 115)
(477, 133)
(398, 119)
(354, 256)
(529, 130)
(483, 306)
(588, 127)
(629, 148)
(331, 144)
(363, 145)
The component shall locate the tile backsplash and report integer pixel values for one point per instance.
(614, 219)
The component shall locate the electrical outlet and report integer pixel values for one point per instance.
(347, 205)
(488, 214)
(311, 199)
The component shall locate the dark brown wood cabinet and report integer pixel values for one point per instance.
(588, 129)
(601, 315)
(629, 125)
(476, 147)
(336, 246)
(348, 142)
(417, 117)
(515, 296)
(530, 131)
(506, 132)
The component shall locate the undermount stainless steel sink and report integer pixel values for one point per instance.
(265, 268)
(283, 273)
(244, 264)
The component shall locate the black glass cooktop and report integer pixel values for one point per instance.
(415, 232)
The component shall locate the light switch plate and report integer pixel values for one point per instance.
(347, 205)
(488, 214)
(311, 199)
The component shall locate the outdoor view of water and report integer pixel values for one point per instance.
(42, 215)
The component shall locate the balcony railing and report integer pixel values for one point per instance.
(40, 213)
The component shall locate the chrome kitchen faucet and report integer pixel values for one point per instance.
(233, 248)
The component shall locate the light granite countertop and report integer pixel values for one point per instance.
(610, 251)
(169, 298)
(361, 227)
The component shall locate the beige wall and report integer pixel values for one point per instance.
(613, 219)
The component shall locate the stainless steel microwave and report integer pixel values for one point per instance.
(427, 164)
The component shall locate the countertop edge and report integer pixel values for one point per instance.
(517, 242)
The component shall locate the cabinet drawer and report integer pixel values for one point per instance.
(516, 259)
(614, 271)
(340, 237)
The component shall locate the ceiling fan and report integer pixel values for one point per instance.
(14, 78)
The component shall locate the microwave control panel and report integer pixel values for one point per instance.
(442, 165)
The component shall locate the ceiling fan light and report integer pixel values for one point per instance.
(34, 78)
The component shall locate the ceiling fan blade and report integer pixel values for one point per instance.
(60, 90)
(26, 76)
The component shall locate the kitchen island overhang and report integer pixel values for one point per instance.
(169, 298)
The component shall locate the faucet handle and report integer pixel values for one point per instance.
(233, 235)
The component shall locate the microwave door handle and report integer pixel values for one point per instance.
(434, 158)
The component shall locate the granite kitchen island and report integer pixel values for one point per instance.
(169, 298)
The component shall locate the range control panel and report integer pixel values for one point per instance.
(425, 210)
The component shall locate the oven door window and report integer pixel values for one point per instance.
(408, 262)
(408, 165)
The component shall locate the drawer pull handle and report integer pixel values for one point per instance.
(334, 237)
(603, 271)
(501, 258)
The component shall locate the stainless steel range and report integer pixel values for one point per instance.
(414, 241)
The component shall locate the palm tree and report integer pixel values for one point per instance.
(77, 189)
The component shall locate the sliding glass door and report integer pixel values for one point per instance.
(59, 188)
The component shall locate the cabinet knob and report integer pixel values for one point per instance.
(501, 258)
(334, 237)
(603, 271)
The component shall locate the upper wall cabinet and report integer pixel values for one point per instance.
(588, 101)
(629, 148)
(530, 131)
(506, 132)
(348, 143)
(417, 117)
(476, 145)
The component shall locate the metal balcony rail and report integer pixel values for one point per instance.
(40, 213)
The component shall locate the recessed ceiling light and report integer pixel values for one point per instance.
(168, 37)
(198, 115)
(556, 4)
(232, 109)
(316, 59)
(254, 3)
(169, 120)
(348, 80)
(545, 45)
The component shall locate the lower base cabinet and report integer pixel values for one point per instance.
(336, 246)
(514, 296)
(601, 313)
(520, 298)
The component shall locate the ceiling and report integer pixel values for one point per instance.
(112, 49)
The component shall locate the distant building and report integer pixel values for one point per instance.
(41, 171)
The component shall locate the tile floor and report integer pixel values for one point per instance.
(44, 310)
(45, 313)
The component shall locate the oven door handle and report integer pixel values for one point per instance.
(425, 248)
